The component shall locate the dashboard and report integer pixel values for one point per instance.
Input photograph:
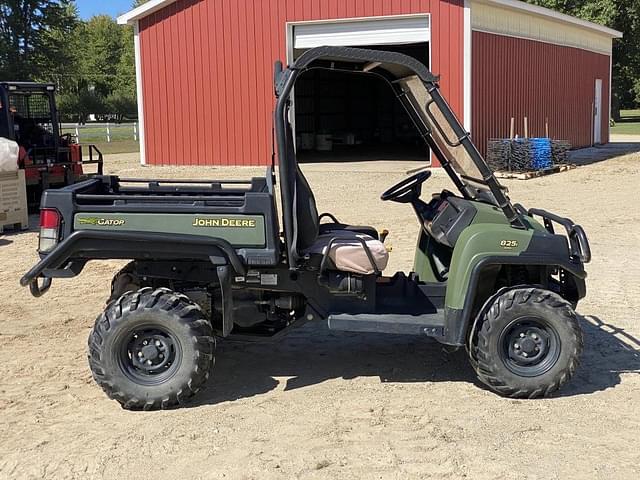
(447, 216)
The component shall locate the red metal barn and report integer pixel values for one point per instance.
(204, 73)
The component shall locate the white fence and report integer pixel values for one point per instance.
(102, 132)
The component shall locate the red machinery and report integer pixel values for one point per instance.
(28, 115)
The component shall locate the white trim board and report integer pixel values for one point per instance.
(467, 53)
(139, 92)
(389, 30)
(143, 10)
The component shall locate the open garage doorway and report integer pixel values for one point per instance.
(350, 117)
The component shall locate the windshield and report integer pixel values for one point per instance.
(441, 129)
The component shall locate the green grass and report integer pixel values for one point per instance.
(121, 146)
(629, 124)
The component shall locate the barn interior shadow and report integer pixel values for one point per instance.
(312, 354)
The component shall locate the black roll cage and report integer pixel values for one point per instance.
(391, 67)
(28, 88)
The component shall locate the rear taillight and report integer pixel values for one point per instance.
(49, 229)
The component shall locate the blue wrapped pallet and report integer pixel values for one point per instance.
(541, 153)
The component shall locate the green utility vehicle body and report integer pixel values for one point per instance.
(216, 257)
(239, 230)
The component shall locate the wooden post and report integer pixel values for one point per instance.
(108, 133)
(526, 127)
(135, 132)
(512, 130)
(77, 133)
(546, 127)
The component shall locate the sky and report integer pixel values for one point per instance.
(88, 8)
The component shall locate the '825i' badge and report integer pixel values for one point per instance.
(509, 244)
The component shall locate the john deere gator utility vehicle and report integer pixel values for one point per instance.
(209, 259)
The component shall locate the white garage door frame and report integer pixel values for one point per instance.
(360, 31)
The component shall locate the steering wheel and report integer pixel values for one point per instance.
(408, 189)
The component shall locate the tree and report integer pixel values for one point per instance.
(106, 81)
(121, 105)
(623, 15)
(102, 42)
(77, 106)
(123, 99)
(30, 37)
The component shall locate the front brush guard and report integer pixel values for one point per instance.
(579, 247)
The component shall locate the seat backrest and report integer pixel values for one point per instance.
(306, 225)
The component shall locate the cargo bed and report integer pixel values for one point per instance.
(220, 221)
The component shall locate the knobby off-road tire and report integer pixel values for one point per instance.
(126, 280)
(529, 344)
(151, 349)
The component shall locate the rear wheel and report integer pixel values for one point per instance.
(151, 349)
(529, 344)
(126, 280)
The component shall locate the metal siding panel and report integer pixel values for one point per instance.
(242, 124)
(259, 67)
(174, 151)
(202, 82)
(212, 126)
(518, 78)
(229, 87)
(182, 84)
(163, 107)
(155, 88)
(256, 103)
(215, 12)
(236, 76)
(195, 95)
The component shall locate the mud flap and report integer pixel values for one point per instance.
(224, 276)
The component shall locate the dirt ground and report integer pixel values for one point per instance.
(322, 405)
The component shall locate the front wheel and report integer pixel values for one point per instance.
(151, 349)
(529, 344)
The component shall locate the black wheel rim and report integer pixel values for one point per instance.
(149, 355)
(530, 346)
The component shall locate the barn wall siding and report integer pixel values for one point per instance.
(520, 78)
(207, 70)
